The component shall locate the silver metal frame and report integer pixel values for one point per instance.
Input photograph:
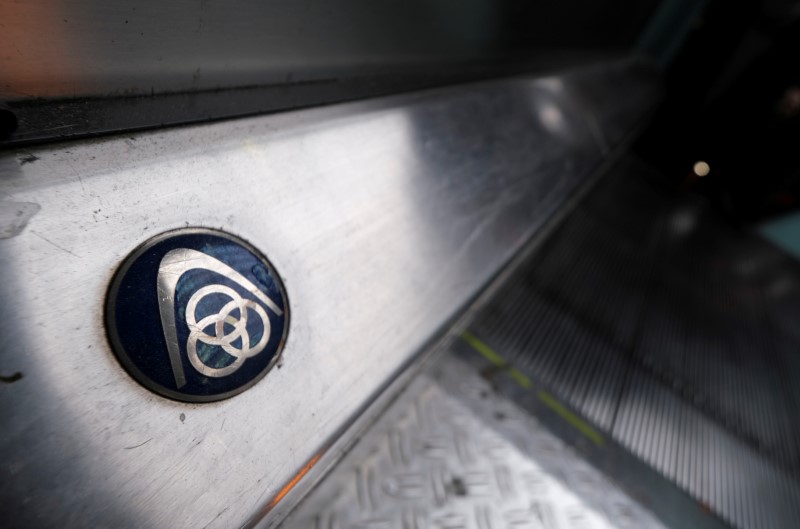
(385, 218)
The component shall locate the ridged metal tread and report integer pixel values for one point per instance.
(450, 453)
(667, 329)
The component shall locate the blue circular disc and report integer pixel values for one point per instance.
(197, 315)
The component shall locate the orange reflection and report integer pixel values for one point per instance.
(294, 481)
(42, 51)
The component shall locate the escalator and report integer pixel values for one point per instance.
(647, 332)
(421, 266)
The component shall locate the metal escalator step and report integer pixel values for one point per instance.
(662, 328)
(450, 453)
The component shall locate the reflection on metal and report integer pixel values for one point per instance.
(293, 482)
(385, 219)
(14, 216)
(684, 220)
(552, 118)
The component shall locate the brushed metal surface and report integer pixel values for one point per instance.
(451, 453)
(384, 219)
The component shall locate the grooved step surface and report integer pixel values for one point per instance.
(451, 454)
(673, 333)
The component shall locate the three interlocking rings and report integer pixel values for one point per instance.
(220, 338)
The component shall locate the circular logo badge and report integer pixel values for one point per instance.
(197, 315)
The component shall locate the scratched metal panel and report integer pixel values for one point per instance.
(384, 219)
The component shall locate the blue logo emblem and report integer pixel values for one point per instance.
(197, 315)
